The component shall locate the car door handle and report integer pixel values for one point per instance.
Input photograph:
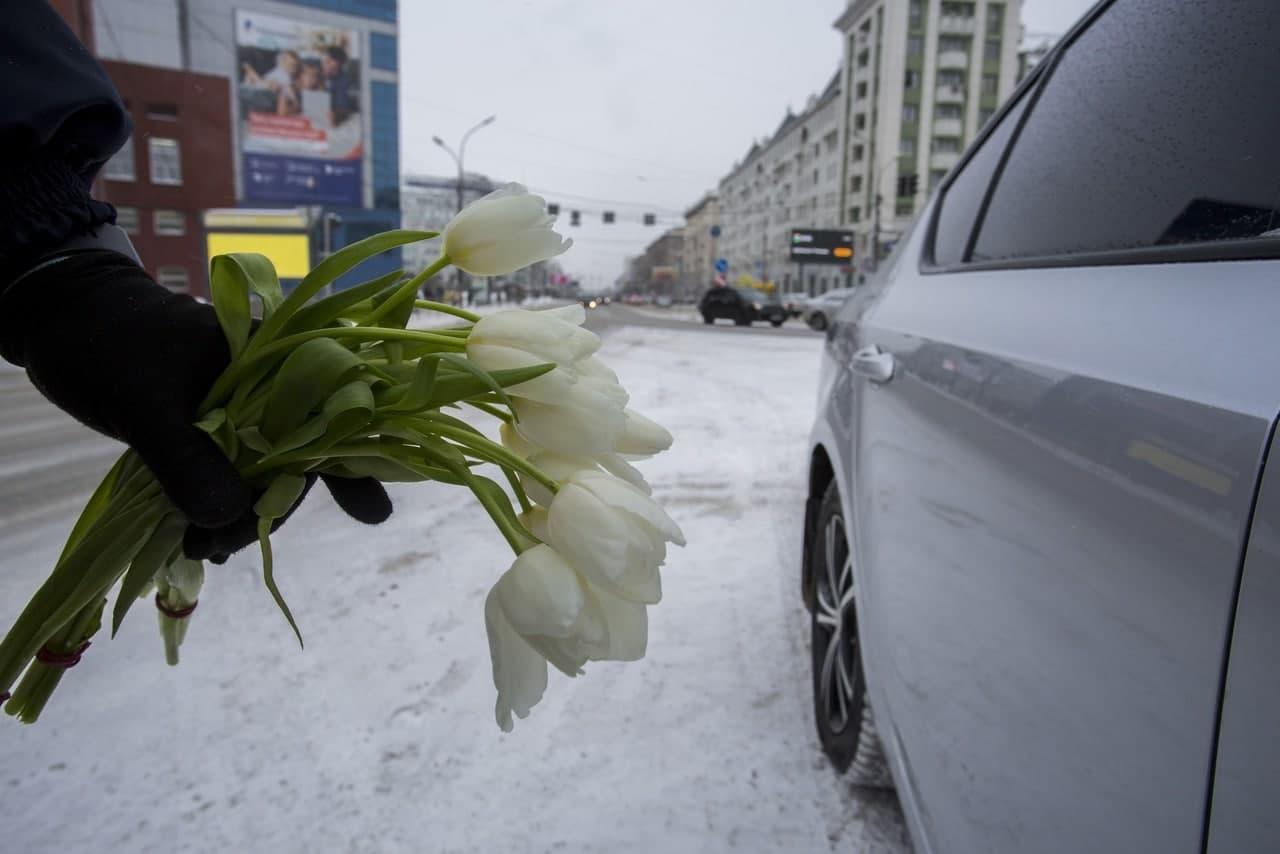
(874, 364)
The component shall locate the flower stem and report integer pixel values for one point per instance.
(445, 308)
(485, 447)
(406, 291)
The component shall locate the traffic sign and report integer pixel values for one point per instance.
(812, 246)
(715, 231)
(722, 265)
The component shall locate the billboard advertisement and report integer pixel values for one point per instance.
(813, 246)
(300, 122)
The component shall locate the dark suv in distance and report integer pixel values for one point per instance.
(1042, 535)
(741, 305)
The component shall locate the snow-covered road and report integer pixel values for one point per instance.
(380, 735)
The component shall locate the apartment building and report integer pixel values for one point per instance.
(920, 78)
(789, 180)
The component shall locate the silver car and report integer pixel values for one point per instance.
(1042, 536)
(819, 310)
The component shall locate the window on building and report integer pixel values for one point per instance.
(910, 114)
(815, 177)
(935, 178)
(860, 91)
(857, 153)
(165, 112)
(907, 146)
(169, 223)
(905, 208)
(127, 219)
(995, 17)
(946, 144)
(948, 111)
(992, 50)
(915, 46)
(121, 166)
(915, 14)
(990, 84)
(855, 214)
(860, 121)
(1167, 169)
(959, 207)
(952, 44)
(864, 58)
(912, 79)
(855, 184)
(166, 160)
(173, 278)
(984, 116)
(382, 51)
(951, 77)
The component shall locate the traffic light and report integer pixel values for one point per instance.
(553, 209)
(608, 217)
(650, 219)
(575, 218)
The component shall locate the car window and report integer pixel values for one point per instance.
(1157, 127)
(959, 207)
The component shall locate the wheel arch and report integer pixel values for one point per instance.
(821, 475)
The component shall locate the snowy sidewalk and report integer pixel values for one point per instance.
(380, 736)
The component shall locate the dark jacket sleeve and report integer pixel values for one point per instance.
(60, 120)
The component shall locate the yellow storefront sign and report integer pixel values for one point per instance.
(290, 253)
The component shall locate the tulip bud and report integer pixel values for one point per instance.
(502, 232)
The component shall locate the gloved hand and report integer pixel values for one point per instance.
(132, 360)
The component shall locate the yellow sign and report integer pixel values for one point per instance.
(290, 253)
(842, 252)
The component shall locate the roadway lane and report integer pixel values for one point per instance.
(678, 319)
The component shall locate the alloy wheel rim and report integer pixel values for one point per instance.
(835, 614)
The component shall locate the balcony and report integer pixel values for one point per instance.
(953, 59)
(948, 127)
(944, 160)
(957, 25)
(949, 93)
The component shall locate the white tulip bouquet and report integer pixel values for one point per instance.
(341, 386)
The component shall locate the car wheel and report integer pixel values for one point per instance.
(776, 322)
(841, 711)
(818, 321)
(708, 319)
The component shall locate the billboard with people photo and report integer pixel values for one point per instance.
(301, 135)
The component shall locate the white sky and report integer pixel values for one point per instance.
(644, 105)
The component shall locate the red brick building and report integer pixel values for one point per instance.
(177, 164)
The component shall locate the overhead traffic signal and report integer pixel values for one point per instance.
(553, 209)
(608, 217)
(650, 219)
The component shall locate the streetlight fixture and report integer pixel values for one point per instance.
(457, 159)
(462, 151)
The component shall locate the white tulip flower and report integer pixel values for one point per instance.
(582, 421)
(613, 533)
(641, 437)
(626, 623)
(502, 232)
(541, 611)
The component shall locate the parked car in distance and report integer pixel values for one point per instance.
(819, 310)
(741, 305)
(1040, 549)
(662, 301)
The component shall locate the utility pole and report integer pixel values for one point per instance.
(457, 159)
(875, 235)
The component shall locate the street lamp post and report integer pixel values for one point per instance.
(457, 159)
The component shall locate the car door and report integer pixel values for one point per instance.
(1246, 776)
(1066, 392)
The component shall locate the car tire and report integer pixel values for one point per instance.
(818, 321)
(842, 712)
(776, 322)
(708, 319)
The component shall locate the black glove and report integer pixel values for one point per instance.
(132, 360)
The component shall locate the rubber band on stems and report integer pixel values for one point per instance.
(175, 613)
(65, 660)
